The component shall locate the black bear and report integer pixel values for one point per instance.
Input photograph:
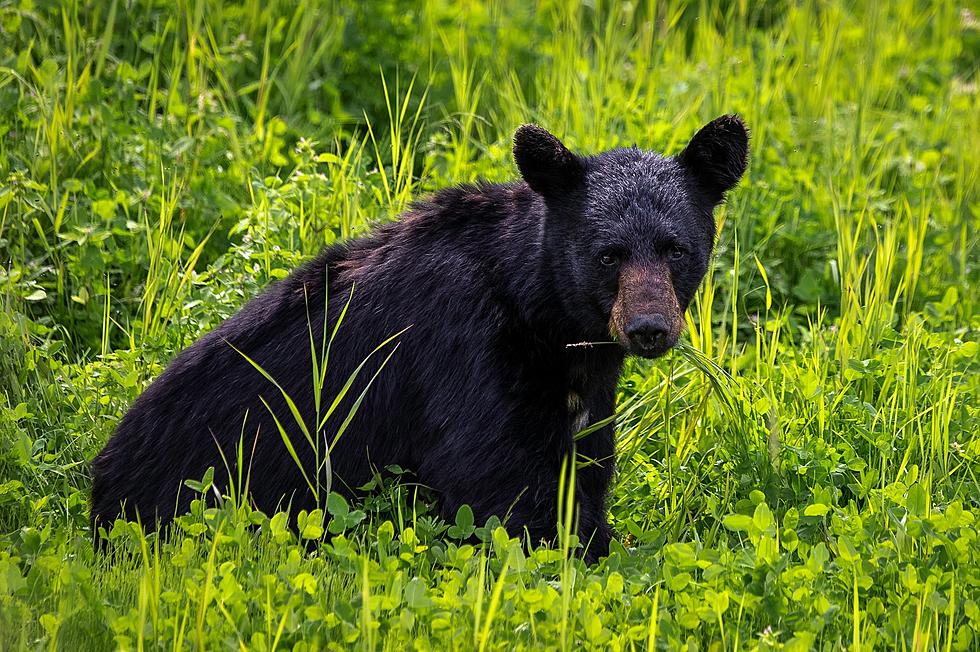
(488, 289)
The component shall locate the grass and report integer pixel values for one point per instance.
(801, 474)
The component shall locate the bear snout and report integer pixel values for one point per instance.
(646, 317)
(650, 336)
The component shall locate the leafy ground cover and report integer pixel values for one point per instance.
(801, 474)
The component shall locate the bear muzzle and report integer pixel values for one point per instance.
(646, 316)
(650, 336)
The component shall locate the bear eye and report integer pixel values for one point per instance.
(609, 258)
(676, 253)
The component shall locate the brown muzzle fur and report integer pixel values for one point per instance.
(646, 316)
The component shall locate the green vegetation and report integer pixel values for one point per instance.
(804, 473)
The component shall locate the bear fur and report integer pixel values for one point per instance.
(486, 288)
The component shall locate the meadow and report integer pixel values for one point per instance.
(802, 473)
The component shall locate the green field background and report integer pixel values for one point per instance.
(803, 473)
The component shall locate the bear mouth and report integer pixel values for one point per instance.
(635, 348)
(650, 353)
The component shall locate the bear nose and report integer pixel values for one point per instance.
(648, 333)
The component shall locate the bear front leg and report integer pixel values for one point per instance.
(591, 526)
(594, 533)
(521, 489)
(532, 513)
(526, 502)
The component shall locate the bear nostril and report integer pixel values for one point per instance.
(648, 332)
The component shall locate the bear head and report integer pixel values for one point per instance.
(628, 233)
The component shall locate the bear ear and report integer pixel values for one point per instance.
(717, 155)
(545, 163)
